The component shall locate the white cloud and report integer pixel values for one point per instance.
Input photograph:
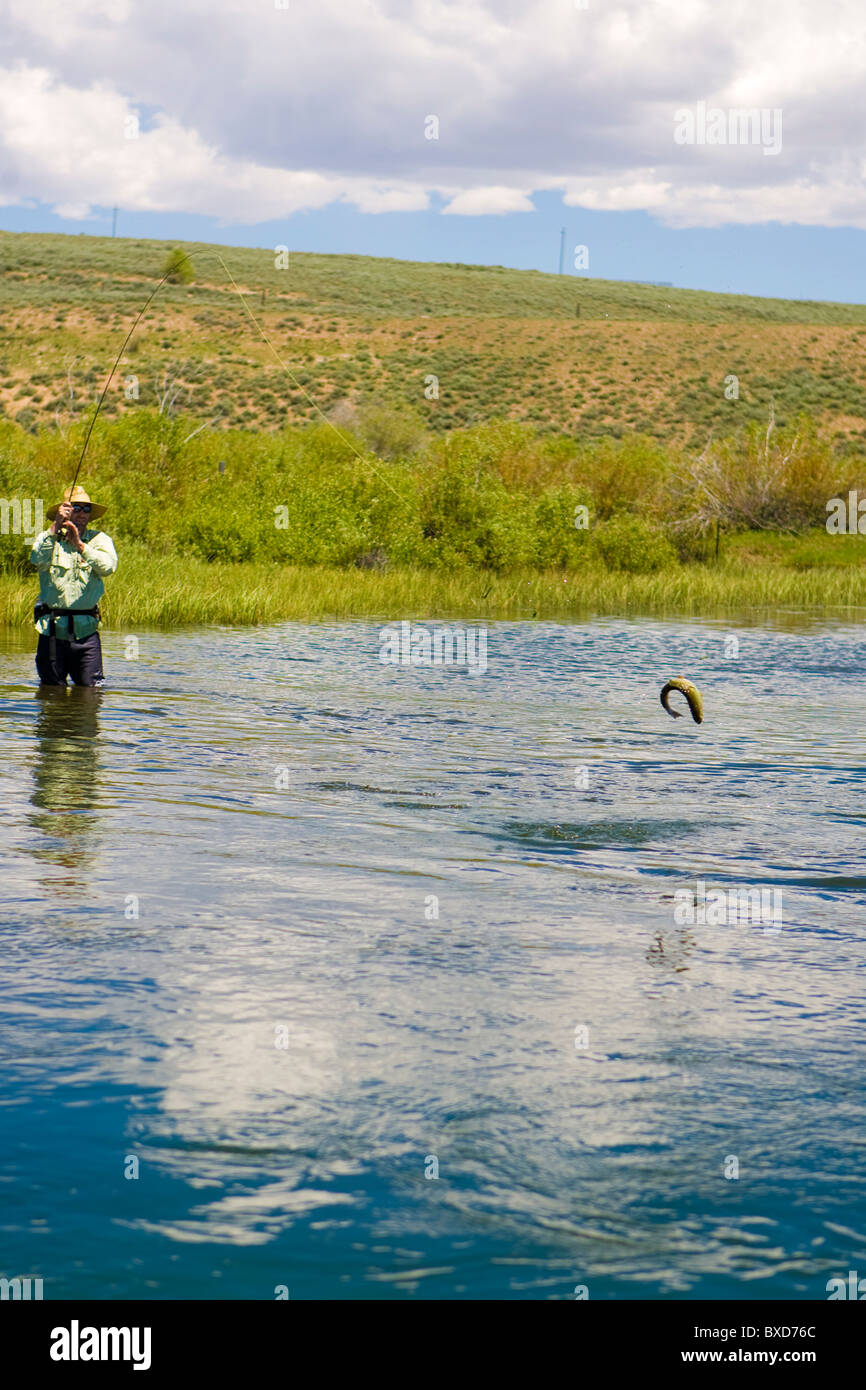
(250, 113)
(75, 212)
(477, 202)
(77, 153)
(626, 195)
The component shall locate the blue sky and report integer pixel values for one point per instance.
(718, 149)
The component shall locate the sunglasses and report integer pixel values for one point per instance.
(78, 507)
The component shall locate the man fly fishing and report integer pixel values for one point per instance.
(72, 558)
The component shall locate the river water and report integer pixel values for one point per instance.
(286, 931)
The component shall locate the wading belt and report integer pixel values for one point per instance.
(42, 609)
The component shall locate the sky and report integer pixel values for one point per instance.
(681, 141)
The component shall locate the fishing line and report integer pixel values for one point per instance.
(138, 318)
(62, 530)
(215, 255)
(141, 312)
(290, 374)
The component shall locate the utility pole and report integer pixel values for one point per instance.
(114, 223)
(562, 251)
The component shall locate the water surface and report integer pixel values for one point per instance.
(404, 876)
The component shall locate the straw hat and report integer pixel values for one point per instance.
(76, 494)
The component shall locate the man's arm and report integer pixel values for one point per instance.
(100, 554)
(40, 555)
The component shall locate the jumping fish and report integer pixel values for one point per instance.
(692, 694)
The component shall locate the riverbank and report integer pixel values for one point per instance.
(177, 592)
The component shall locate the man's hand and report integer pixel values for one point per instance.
(64, 512)
(63, 521)
(73, 537)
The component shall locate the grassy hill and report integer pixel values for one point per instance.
(584, 357)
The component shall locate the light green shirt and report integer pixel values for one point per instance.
(68, 579)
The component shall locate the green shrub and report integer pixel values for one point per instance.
(14, 555)
(501, 496)
(559, 542)
(763, 477)
(623, 474)
(178, 267)
(390, 433)
(469, 516)
(632, 544)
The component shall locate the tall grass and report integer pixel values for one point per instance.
(180, 592)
